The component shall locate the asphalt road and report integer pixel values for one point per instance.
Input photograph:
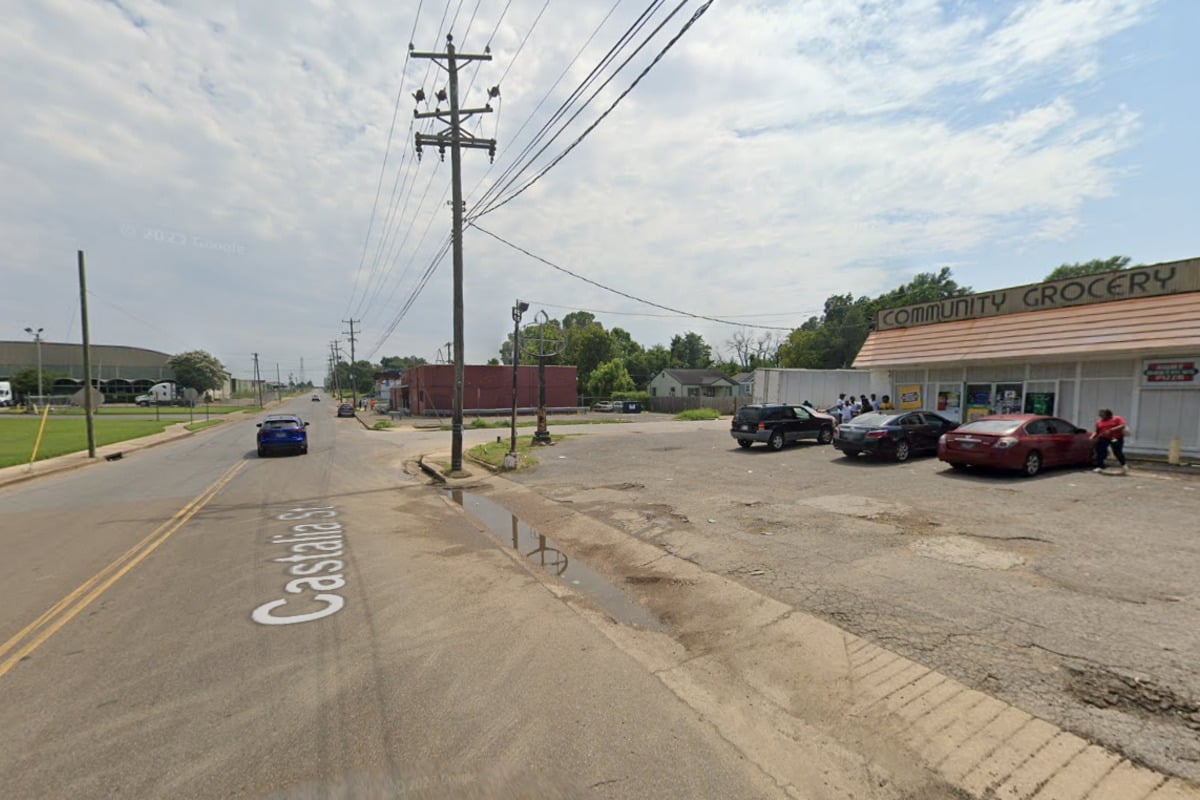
(156, 640)
(1071, 595)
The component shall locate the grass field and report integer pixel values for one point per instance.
(66, 435)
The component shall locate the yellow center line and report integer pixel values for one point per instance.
(70, 606)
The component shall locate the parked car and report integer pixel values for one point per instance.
(345, 410)
(602, 405)
(282, 432)
(778, 423)
(892, 435)
(1025, 442)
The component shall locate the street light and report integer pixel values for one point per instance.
(518, 309)
(37, 338)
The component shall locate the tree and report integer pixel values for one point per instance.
(645, 365)
(493, 362)
(197, 369)
(360, 378)
(609, 377)
(587, 348)
(689, 351)
(401, 362)
(1078, 270)
(578, 319)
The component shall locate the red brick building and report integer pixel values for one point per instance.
(429, 389)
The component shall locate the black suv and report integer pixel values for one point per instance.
(777, 424)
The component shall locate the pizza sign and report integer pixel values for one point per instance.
(1170, 372)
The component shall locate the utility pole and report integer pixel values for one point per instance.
(87, 361)
(301, 369)
(257, 382)
(334, 355)
(353, 382)
(278, 395)
(455, 138)
(37, 341)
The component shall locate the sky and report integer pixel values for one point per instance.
(242, 176)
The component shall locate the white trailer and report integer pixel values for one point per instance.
(161, 394)
(820, 387)
(6, 398)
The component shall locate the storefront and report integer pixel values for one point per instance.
(1127, 340)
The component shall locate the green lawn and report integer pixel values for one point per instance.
(66, 435)
(493, 452)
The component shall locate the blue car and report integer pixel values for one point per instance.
(282, 432)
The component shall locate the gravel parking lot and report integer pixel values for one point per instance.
(1071, 595)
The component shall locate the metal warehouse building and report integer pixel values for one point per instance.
(1126, 340)
(123, 372)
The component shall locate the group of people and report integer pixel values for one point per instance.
(847, 408)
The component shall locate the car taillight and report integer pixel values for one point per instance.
(1005, 442)
(877, 434)
(762, 426)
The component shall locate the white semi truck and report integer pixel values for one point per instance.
(161, 394)
(6, 397)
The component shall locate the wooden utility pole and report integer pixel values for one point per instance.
(353, 382)
(88, 411)
(455, 138)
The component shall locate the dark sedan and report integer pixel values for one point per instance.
(345, 410)
(1025, 442)
(897, 435)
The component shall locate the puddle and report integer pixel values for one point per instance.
(542, 551)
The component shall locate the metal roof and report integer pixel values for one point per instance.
(1146, 325)
(66, 358)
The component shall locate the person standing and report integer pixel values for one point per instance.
(847, 411)
(1109, 433)
(886, 404)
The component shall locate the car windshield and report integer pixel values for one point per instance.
(996, 426)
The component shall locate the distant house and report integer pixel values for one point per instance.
(692, 383)
(745, 382)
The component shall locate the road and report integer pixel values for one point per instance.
(650, 612)
(136, 663)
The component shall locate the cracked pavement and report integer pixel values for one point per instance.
(1070, 595)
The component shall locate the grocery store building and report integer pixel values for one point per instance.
(1126, 340)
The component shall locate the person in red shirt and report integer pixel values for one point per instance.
(1109, 433)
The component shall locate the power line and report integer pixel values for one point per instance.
(563, 107)
(621, 293)
(383, 167)
(642, 314)
(687, 26)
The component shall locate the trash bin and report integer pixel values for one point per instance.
(631, 407)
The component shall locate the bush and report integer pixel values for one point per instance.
(698, 414)
(641, 397)
(479, 422)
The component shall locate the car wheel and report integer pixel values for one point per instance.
(262, 452)
(776, 441)
(744, 442)
(825, 436)
(902, 451)
(304, 450)
(1033, 464)
(959, 467)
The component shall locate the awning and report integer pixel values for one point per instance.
(1149, 324)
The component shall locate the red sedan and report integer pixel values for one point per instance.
(1025, 442)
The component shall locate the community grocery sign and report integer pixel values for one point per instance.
(1155, 280)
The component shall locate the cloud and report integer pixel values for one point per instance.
(809, 147)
